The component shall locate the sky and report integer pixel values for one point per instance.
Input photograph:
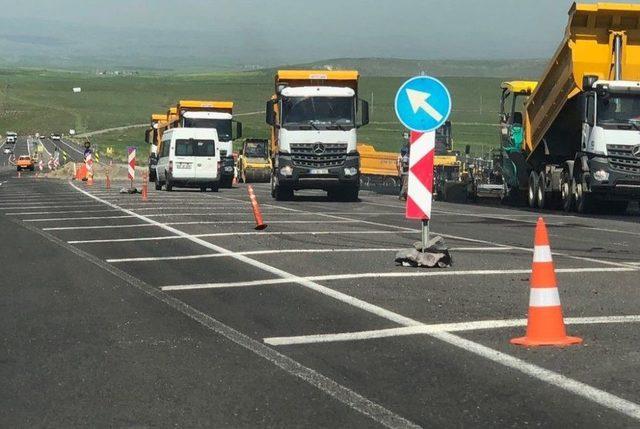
(271, 32)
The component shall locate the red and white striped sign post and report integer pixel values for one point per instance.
(131, 173)
(420, 189)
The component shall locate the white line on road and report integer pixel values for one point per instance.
(25, 207)
(62, 219)
(226, 234)
(432, 328)
(295, 251)
(398, 274)
(76, 228)
(565, 383)
(63, 212)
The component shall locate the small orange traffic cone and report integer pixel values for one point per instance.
(145, 184)
(256, 209)
(545, 326)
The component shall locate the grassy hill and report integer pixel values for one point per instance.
(454, 68)
(43, 101)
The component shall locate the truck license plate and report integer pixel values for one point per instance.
(320, 171)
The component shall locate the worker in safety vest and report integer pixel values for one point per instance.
(403, 170)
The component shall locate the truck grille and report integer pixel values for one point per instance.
(621, 159)
(318, 155)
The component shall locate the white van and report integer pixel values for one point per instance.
(189, 158)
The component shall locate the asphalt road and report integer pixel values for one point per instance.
(176, 312)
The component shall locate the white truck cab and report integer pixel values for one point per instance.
(314, 117)
(189, 158)
(611, 133)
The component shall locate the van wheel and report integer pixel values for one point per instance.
(532, 192)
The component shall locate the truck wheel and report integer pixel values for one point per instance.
(541, 195)
(584, 199)
(349, 194)
(618, 207)
(283, 193)
(567, 190)
(533, 190)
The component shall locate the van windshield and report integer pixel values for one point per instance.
(195, 147)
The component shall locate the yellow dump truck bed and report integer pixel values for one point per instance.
(377, 163)
(586, 49)
(342, 78)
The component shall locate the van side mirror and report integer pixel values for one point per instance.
(363, 111)
(271, 113)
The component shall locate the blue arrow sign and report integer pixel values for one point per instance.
(423, 104)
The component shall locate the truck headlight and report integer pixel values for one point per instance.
(352, 171)
(601, 175)
(286, 170)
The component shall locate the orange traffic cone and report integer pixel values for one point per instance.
(545, 326)
(256, 209)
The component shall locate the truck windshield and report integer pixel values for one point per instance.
(325, 112)
(195, 147)
(256, 150)
(222, 125)
(618, 109)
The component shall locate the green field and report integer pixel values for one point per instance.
(43, 101)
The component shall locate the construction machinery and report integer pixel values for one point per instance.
(576, 142)
(153, 137)
(211, 114)
(254, 163)
(314, 116)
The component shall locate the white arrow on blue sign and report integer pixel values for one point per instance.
(423, 104)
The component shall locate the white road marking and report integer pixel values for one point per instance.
(565, 383)
(399, 274)
(63, 219)
(295, 251)
(76, 228)
(438, 327)
(25, 207)
(62, 212)
(227, 234)
(181, 223)
(324, 384)
(578, 388)
(274, 222)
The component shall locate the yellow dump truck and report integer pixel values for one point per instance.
(211, 114)
(153, 136)
(576, 142)
(314, 115)
(254, 163)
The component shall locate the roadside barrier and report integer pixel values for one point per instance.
(545, 325)
(260, 225)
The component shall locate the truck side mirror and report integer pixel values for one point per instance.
(363, 110)
(238, 130)
(589, 117)
(271, 113)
